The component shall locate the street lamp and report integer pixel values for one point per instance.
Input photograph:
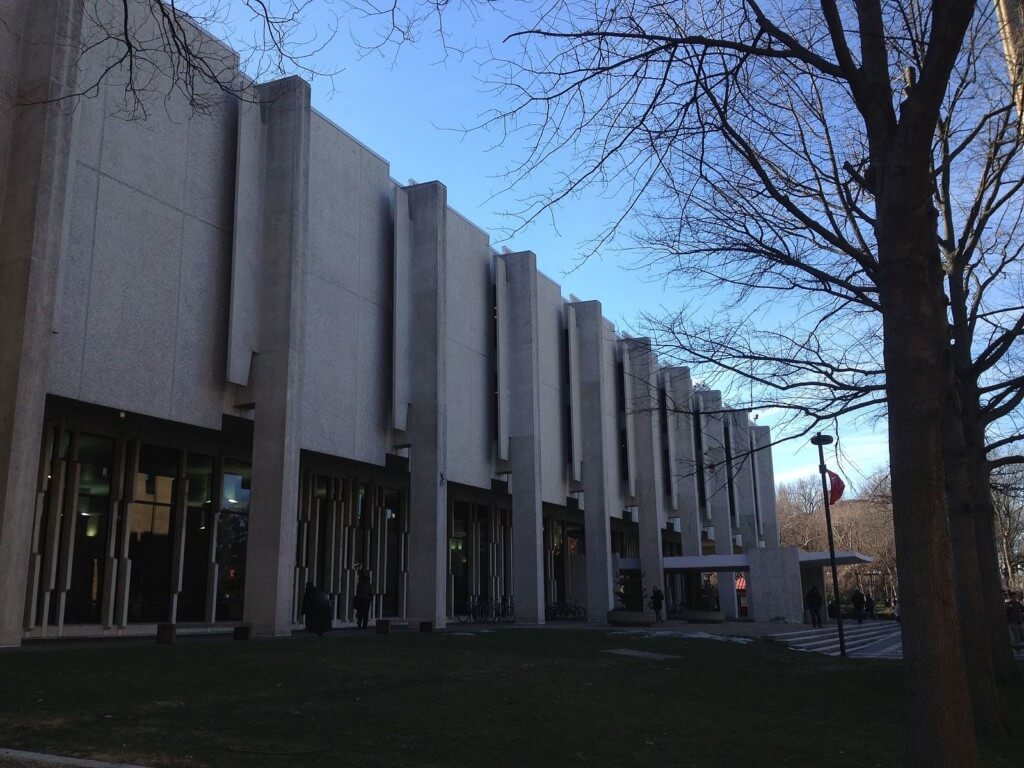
(821, 441)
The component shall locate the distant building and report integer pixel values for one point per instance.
(237, 357)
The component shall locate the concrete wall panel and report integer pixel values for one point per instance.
(201, 324)
(348, 347)
(130, 340)
(470, 349)
(75, 278)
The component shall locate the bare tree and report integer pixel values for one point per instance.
(1008, 500)
(812, 126)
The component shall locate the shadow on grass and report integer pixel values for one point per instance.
(507, 698)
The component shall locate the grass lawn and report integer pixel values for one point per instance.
(513, 697)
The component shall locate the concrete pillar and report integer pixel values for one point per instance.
(524, 437)
(774, 586)
(277, 382)
(716, 480)
(31, 222)
(645, 407)
(764, 471)
(679, 412)
(1011, 28)
(428, 410)
(600, 499)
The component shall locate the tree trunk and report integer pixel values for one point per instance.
(970, 602)
(940, 726)
(1003, 664)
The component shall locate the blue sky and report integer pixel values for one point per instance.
(411, 109)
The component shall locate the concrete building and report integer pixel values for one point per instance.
(236, 357)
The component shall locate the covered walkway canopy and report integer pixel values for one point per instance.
(741, 562)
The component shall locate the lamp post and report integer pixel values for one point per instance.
(821, 441)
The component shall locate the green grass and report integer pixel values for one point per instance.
(515, 697)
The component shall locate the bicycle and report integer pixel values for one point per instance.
(565, 611)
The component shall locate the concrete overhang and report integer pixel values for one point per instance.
(726, 563)
(820, 559)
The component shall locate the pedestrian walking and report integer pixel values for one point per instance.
(869, 606)
(657, 600)
(857, 600)
(813, 601)
(1015, 618)
(896, 609)
(363, 594)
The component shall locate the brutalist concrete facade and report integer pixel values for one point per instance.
(249, 286)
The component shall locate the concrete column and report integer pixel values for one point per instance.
(679, 412)
(774, 587)
(428, 410)
(1011, 28)
(31, 226)
(277, 384)
(600, 499)
(645, 406)
(716, 484)
(524, 437)
(765, 480)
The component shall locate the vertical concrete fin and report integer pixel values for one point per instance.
(712, 425)
(246, 249)
(525, 437)
(743, 478)
(401, 373)
(273, 515)
(428, 412)
(629, 389)
(679, 408)
(575, 424)
(597, 414)
(503, 341)
(35, 184)
(647, 450)
(766, 486)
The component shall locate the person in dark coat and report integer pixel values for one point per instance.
(316, 608)
(1015, 618)
(813, 601)
(857, 600)
(307, 597)
(657, 601)
(869, 607)
(363, 594)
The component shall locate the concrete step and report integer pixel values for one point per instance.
(832, 631)
(851, 645)
(869, 639)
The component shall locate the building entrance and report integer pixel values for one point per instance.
(136, 522)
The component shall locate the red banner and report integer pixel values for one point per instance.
(836, 486)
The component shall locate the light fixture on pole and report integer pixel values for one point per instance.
(821, 441)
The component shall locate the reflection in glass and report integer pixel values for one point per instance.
(91, 520)
(393, 514)
(149, 535)
(232, 537)
(198, 526)
(458, 550)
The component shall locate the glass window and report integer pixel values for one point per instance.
(393, 515)
(91, 528)
(197, 524)
(232, 538)
(150, 546)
